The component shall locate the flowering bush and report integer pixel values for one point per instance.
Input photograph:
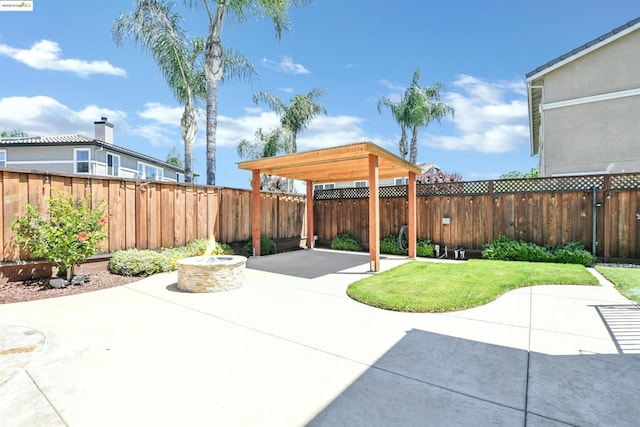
(71, 232)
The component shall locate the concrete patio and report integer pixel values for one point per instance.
(289, 348)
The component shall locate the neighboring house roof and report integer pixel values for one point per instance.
(81, 140)
(533, 77)
(429, 167)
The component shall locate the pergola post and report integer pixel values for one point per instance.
(255, 212)
(310, 232)
(412, 223)
(374, 213)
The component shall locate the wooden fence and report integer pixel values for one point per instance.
(546, 211)
(152, 215)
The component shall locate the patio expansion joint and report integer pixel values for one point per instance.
(44, 395)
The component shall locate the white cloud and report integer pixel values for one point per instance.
(286, 89)
(44, 116)
(393, 86)
(45, 55)
(490, 117)
(286, 65)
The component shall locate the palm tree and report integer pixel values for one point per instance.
(296, 116)
(422, 106)
(267, 145)
(397, 110)
(418, 107)
(157, 30)
(276, 10)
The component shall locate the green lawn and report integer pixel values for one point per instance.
(627, 280)
(435, 287)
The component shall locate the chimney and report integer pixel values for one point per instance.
(104, 130)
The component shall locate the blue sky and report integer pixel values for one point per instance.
(60, 71)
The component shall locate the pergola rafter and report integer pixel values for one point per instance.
(360, 161)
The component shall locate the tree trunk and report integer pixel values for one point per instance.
(213, 70)
(403, 142)
(188, 128)
(413, 152)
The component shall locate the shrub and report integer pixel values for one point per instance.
(425, 248)
(346, 242)
(267, 247)
(573, 253)
(133, 262)
(389, 245)
(505, 248)
(71, 232)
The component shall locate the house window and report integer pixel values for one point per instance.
(330, 186)
(150, 172)
(360, 184)
(113, 164)
(401, 181)
(81, 160)
(3, 158)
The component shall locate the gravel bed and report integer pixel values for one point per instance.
(30, 290)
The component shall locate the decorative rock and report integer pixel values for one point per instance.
(78, 280)
(58, 283)
(211, 274)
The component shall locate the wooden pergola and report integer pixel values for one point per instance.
(360, 161)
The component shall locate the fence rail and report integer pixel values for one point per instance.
(546, 211)
(152, 215)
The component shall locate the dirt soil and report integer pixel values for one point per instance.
(30, 290)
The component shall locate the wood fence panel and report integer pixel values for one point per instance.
(143, 221)
(167, 215)
(634, 230)
(179, 213)
(535, 217)
(154, 201)
(117, 227)
(14, 201)
(128, 195)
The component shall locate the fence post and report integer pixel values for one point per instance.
(490, 212)
(606, 218)
(137, 220)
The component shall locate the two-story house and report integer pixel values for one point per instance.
(584, 107)
(79, 154)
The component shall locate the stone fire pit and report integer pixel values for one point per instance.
(211, 273)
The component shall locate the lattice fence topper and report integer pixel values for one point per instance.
(569, 183)
(625, 182)
(326, 194)
(355, 193)
(393, 191)
(532, 185)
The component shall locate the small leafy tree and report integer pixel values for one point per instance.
(69, 234)
(533, 173)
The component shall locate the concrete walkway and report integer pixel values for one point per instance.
(292, 349)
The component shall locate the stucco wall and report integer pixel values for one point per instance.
(612, 68)
(595, 137)
(600, 136)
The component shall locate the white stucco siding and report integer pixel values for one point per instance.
(593, 137)
(613, 68)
